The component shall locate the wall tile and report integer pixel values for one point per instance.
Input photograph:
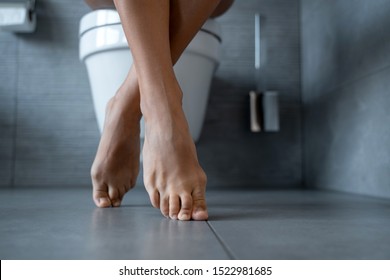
(62, 8)
(281, 32)
(350, 151)
(55, 125)
(345, 68)
(230, 154)
(5, 173)
(63, 79)
(252, 159)
(53, 37)
(53, 172)
(8, 82)
(341, 45)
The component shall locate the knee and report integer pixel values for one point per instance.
(100, 4)
(222, 7)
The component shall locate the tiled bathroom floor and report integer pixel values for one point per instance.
(64, 224)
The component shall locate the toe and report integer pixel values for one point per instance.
(199, 209)
(116, 202)
(164, 206)
(154, 197)
(100, 197)
(186, 207)
(174, 206)
(115, 196)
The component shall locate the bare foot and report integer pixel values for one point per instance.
(116, 165)
(172, 175)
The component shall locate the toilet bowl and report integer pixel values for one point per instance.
(105, 52)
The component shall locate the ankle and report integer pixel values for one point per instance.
(162, 104)
(162, 111)
(126, 105)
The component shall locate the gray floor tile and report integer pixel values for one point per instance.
(47, 224)
(301, 225)
(64, 224)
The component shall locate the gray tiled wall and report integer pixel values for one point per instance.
(48, 129)
(8, 81)
(229, 152)
(51, 126)
(346, 94)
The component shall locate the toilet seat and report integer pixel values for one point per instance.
(113, 36)
(97, 19)
(106, 17)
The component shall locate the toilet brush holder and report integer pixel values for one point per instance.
(264, 111)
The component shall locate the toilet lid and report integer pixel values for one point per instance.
(105, 17)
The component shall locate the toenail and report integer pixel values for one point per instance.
(185, 217)
(174, 217)
(116, 204)
(104, 201)
(200, 209)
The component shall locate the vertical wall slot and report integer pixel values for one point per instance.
(264, 104)
(270, 104)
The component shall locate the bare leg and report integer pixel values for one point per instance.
(116, 164)
(172, 175)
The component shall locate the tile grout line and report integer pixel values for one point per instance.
(226, 248)
(15, 126)
(302, 101)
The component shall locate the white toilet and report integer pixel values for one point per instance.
(104, 49)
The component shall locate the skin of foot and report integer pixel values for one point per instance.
(175, 181)
(116, 165)
(172, 175)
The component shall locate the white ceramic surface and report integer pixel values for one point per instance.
(104, 49)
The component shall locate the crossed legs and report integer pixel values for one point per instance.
(157, 32)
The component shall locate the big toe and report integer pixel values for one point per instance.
(101, 199)
(199, 209)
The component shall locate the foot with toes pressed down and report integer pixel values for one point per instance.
(157, 35)
(116, 165)
(172, 175)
